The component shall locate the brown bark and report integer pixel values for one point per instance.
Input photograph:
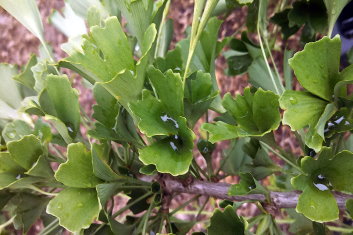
(220, 190)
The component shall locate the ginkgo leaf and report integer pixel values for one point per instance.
(315, 113)
(127, 86)
(316, 133)
(8, 164)
(107, 107)
(323, 81)
(41, 168)
(75, 208)
(100, 165)
(78, 158)
(26, 76)
(169, 89)
(6, 179)
(245, 185)
(319, 206)
(172, 154)
(153, 118)
(255, 114)
(317, 66)
(320, 176)
(199, 95)
(60, 100)
(138, 16)
(226, 222)
(9, 91)
(16, 130)
(309, 107)
(25, 151)
(109, 41)
(106, 57)
(334, 9)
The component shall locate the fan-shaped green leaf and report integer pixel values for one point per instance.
(78, 158)
(319, 206)
(75, 208)
(106, 53)
(25, 151)
(255, 114)
(172, 154)
(226, 222)
(60, 100)
(317, 66)
(153, 117)
(169, 89)
(327, 172)
(245, 186)
(101, 169)
(16, 130)
(9, 92)
(334, 9)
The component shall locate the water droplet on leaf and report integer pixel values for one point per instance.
(175, 142)
(322, 183)
(312, 153)
(321, 187)
(339, 120)
(166, 118)
(174, 147)
(137, 47)
(293, 100)
(330, 124)
(205, 150)
(11, 135)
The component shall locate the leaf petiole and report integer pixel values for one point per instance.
(131, 204)
(281, 156)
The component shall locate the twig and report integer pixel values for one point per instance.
(147, 215)
(7, 223)
(220, 191)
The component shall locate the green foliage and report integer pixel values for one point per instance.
(76, 208)
(226, 222)
(25, 151)
(334, 9)
(319, 80)
(311, 15)
(60, 103)
(73, 170)
(163, 117)
(320, 176)
(245, 186)
(77, 157)
(256, 114)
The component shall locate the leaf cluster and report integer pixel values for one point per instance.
(69, 168)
